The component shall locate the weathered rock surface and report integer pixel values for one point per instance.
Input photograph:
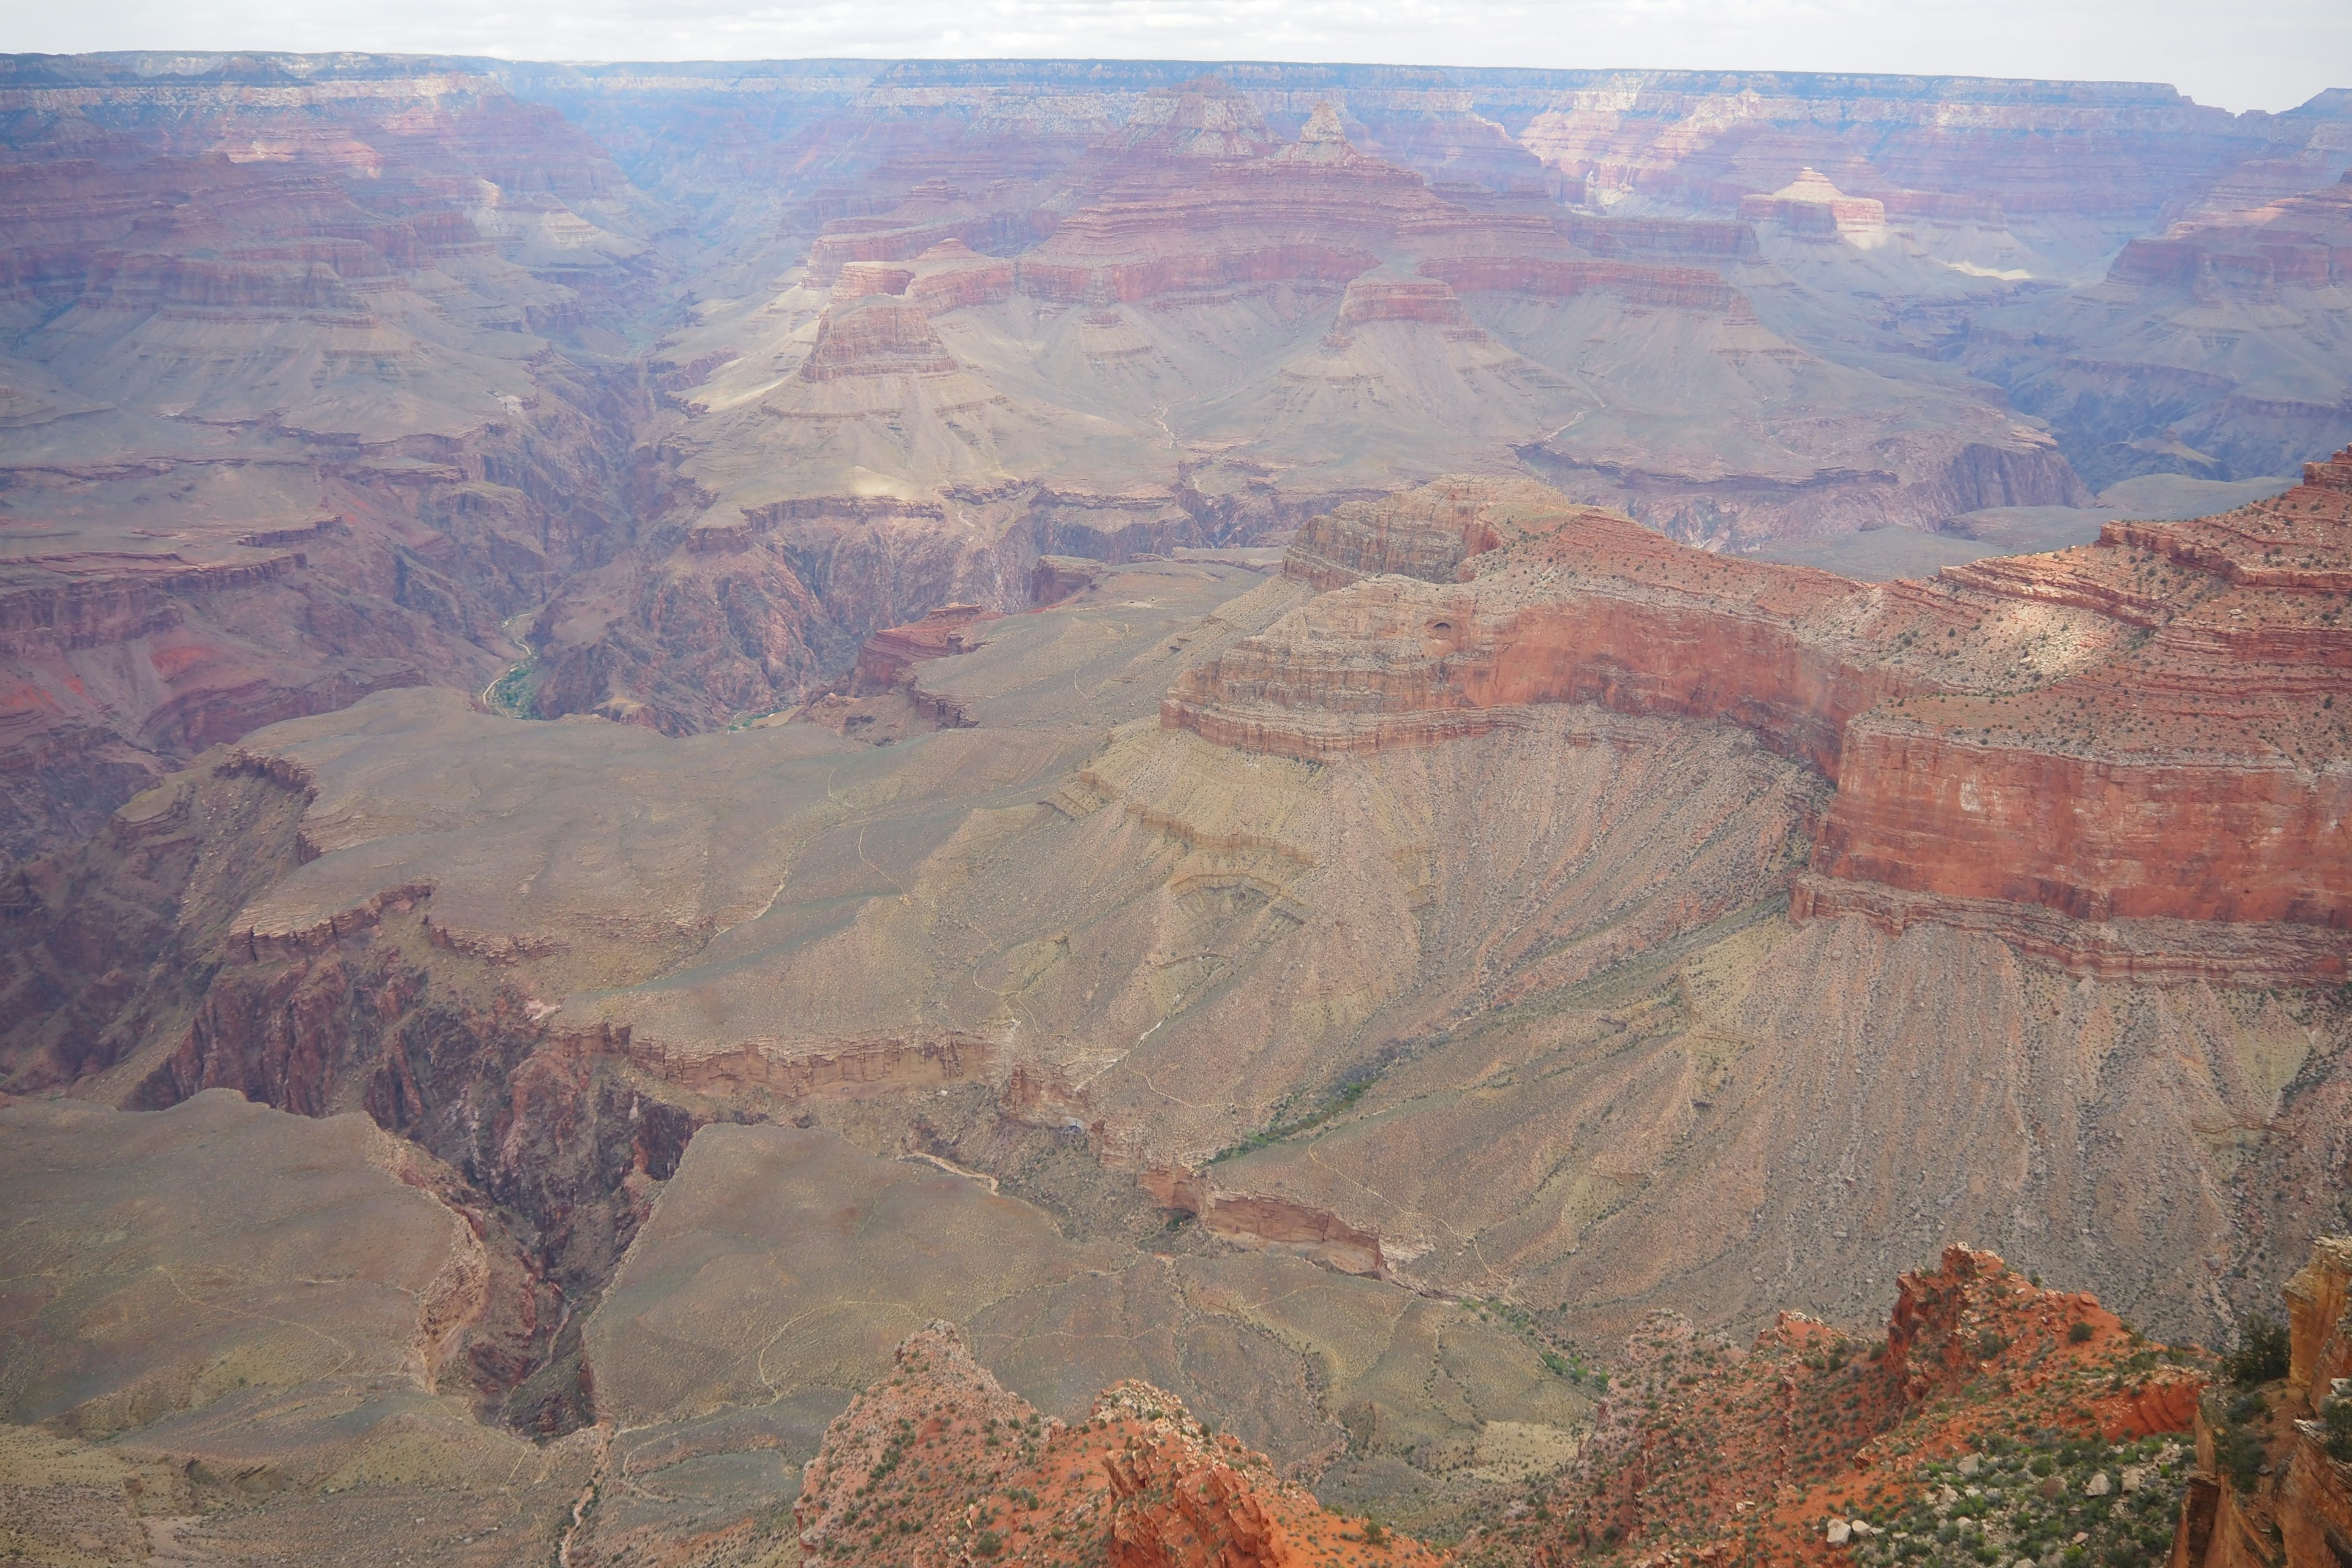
(1812, 1445)
(303, 397)
(1412, 999)
(914, 327)
(230, 1332)
(2215, 349)
(2273, 1485)
(939, 1463)
(2068, 730)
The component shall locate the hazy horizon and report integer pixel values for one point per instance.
(2270, 57)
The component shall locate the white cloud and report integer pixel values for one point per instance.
(2271, 53)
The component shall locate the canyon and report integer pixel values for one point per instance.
(1079, 811)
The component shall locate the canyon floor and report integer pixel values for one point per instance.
(1296, 783)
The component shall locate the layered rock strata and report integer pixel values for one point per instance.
(2215, 349)
(306, 392)
(2141, 729)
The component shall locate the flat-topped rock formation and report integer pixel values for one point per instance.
(2143, 729)
(291, 408)
(973, 870)
(1017, 310)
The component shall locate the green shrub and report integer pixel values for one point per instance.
(2080, 1334)
(2238, 1451)
(2262, 1353)
(2339, 1441)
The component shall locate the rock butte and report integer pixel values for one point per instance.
(939, 1464)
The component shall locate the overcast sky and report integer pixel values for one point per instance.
(2238, 54)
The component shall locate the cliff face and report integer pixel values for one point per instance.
(2273, 1485)
(859, 341)
(2140, 731)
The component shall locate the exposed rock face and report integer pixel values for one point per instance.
(2219, 729)
(876, 336)
(239, 1333)
(889, 656)
(1426, 533)
(953, 318)
(2273, 1486)
(939, 1464)
(1810, 207)
(2183, 675)
(1418, 998)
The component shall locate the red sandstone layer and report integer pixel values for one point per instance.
(2149, 729)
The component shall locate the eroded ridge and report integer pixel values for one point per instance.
(2142, 730)
(1812, 1445)
(938, 1464)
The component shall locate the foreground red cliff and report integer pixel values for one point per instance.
(1996, 1421)
(2123, 755)
(2274, 1452)
(940, 1464)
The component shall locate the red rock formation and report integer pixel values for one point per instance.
(1810, 207)
(1770, 1454)
(889, 656)
(2298, 242)
(2141, 729)
(1324, 215)
(940, 1465)
(1425, 533)
(876, 334)
(1430, 300)
(253, 304)
(1703, 140)
(952, 277)
(2196, 776)
(2272, 1487)
(1640, 626)
(1660, 286)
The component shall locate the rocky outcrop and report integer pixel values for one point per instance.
(888, 659)
(1641, 626)
(876, 334)
(1426, 533)
(2139, 375)
(1813, 1445)
(1811, 208)
(1659, 287)
(939, 1464)
(298, 413)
